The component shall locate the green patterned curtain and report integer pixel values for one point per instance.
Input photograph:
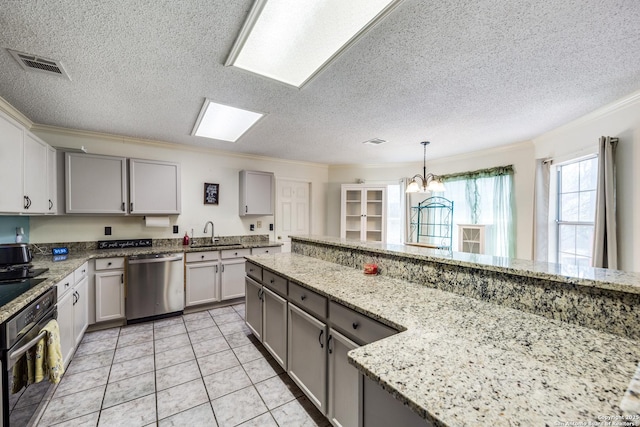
(500, 182)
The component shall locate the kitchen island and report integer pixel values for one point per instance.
(460, 360)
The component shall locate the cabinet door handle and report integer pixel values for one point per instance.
(246, 208)
(272, 281)
(216, 268)
(50, 204)
(223, 268)
(303, 297)
(122, 278)
(329, 344)
(260, 294)
(131, 207)
(26, 202)
(355, 325)
(122, 206)
(320, 338)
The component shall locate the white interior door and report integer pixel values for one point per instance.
(292, 210)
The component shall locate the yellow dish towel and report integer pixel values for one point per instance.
(42, 361)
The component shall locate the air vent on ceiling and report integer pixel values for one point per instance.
(37, 63)
(375, 141)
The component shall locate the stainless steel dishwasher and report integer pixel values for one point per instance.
(155, 286)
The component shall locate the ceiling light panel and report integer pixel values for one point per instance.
(218, 121)
(291, 40)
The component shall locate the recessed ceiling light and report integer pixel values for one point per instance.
(218, 121)
(292, 40)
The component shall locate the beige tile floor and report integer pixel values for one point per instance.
(199, 369)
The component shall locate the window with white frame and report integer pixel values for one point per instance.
(576, 209)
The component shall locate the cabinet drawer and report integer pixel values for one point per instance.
(253, 271)
(234, 253)
(357, 326)
(202, 256)
(110, 263)
(266, 250)
(307, 299)
(65, 285)
(275, 282)
(81, 272)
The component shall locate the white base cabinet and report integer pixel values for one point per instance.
(274, 326)
(201, 283)
(232, 278)
(110, 289)
(307, 356)
(344, 382)
(253, 307)
(73, 311)
(65, 320)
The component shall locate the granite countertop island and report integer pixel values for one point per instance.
(60, 267)
(460, 361)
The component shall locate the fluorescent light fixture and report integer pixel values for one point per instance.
(218, 121)
(292, 40)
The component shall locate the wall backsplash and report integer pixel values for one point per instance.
(8, 225)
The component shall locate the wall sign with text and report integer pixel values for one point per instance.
(211, 193)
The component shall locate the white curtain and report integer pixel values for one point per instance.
(541, 210)
(605, 251)
(503, 230)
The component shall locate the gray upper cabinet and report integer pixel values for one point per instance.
(95, 184)
(256, 193)
(154, 187)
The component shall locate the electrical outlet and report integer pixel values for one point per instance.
(259, 224)
(175, 229)
(107, 231)
(270, 227)
(251, 227)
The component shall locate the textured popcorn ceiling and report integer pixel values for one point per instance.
(465, 75)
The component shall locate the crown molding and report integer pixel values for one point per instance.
(601, 112)
(440, 160)
(164, 144)
(12, 112)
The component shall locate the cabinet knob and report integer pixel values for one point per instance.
(66, 285)
(202, 256)
(108, 263)
(303, 297)
(236, 253)
(272, 281)
(355, 325)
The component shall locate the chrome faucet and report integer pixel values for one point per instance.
(206, 226)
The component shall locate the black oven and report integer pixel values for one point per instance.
(17, 335)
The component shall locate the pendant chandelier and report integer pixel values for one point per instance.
(428, 181)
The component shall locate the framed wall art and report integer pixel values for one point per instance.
(211, 193)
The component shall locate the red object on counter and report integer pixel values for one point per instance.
(370, 268)
(185, 239)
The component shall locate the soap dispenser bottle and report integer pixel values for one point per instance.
(185, 239)
(19, 234)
